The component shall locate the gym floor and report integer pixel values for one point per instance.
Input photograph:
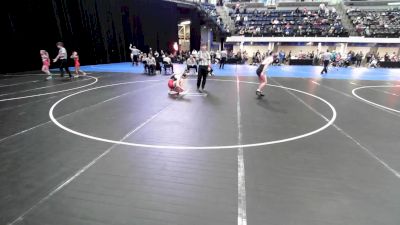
(114, 148)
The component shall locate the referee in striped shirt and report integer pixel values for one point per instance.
(204, 66)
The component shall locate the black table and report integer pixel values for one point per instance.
(301, 62)
(232, 61)
(390, 64)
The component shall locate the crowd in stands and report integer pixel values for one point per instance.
(321, 22)
(376, 23)
(299, 22)
(211, 12)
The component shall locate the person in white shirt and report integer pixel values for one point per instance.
(322, 7)
(326, 57)
(167, 61)
(62, 56)
(218, 56)
(224, 56)
(151, 62)
(191, 63)
(134, 54)
(393, 58)
(195, 54)
(261, 73)
(204, 67)
(144, 61)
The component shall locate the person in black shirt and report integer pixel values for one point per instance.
(386, 57)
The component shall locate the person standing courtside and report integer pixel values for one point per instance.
(224, 55)
(204, 67)
(134, 54)
(326, 57)
(62, 56)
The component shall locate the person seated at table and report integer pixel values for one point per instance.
(394, 58)
(374, 62)
(151, 61)
(191, 63)
(167, 61)
(386, 57)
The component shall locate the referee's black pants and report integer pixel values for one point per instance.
(64, 65)
(222, 62)
(202, 76)
(326, 64)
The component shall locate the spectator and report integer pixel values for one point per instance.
(191, 63)
(386, 57)
(281, 56)
(359, 57)
(394, 57)
(376, 23)
(167, 61)
(278, 22)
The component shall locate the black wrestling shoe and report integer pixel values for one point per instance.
(259, 93)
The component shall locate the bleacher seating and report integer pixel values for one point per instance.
(212, 14)
(325, 23)
(376, 23)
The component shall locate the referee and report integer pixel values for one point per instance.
(204, 66)
(326, 57)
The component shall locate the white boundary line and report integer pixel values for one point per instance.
(79, 172)
(196, 94)
(369, 152)
(314, 82)
(16, 84)
(377, 90)
(242, 212)
(353, 97)
(99, 103)
(56, 122)
(31, 74)
(43, 87)
(54, 92)
(373, 103)
(14, 106)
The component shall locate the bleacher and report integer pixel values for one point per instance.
(384, 23)
(212, 14)
(299, 22)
